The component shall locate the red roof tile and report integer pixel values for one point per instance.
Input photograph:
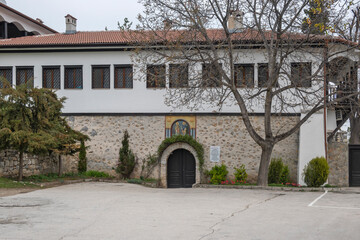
(108, 38)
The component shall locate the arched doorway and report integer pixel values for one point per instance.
(181, 169)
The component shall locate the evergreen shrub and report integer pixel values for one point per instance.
(82, 165)
(218, 174)
(127, 160)
(240, 173)
(316, 172)
(278, 172)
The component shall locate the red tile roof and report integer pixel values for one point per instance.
(27, 17)
(129, 38)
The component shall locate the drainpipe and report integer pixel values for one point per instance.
(325, 96)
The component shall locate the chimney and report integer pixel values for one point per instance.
(235, 22)
(39, 20)
(70, 24)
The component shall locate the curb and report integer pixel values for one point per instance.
(285, 189)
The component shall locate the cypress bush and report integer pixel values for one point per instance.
(82, 165)
(127, 160)
(278, 172)
(316, 172)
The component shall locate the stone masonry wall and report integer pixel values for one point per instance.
(338, 161)
(33, 165)
(147, 133)
(237, 147)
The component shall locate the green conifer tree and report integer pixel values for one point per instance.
(127, 160)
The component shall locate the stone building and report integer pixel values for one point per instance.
(108, 92)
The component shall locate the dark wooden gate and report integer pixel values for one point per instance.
(181, 169)
(354, 165)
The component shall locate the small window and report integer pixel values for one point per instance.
(244, 75)
(25, 75)
(5, 76)
(179, 75)
(301, 74)
(263, 75)
(123, 76)
(101, 77)
(73, 77)
(155, 76)
(51, 77)
(210, 76)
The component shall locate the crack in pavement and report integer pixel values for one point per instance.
(237, 212)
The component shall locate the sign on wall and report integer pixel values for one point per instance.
(214, 153)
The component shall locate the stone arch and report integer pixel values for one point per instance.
(165, 156)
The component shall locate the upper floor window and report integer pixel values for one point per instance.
(179, 75)
(51, 77)
(73, 77)
(301, 74)
(123, 76)
(211, 77)
(263, 75)
(25, 75)
(101, 77)
(155, 76)
(5, 76)
(244, 75)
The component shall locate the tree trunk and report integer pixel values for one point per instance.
(21, 165)
(264, 165)
(60, 165)
(355, 129)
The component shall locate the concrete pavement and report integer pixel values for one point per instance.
(123, 211)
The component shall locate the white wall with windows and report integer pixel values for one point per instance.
(111, 99)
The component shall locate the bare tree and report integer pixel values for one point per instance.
(209, 40)
(349, 29)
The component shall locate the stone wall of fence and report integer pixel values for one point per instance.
(33, 165)
(338, 160)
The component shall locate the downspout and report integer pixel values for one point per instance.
(325, 97)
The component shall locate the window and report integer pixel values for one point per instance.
(101, 77)
(244, 75)
(73, 77)
(179, 75)
(51, 77)
(123, 76)
(25, 75)
(301, 74)
(5, 75)
(210, 76)
(263, 75)
(155, 76)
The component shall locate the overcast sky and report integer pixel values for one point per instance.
(92, 15)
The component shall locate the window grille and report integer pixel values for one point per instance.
(51, 77)
(155, 76)
(244, 75)
(101, 77)
(211, 77)
(25, 75)
(5, 75)
(179, 75)
(73, 78)
(123, 77)
(301, 74)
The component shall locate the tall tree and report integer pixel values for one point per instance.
(317, 17)
(31, 122)
(210, 37)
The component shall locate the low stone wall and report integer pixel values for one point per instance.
(338, 160)
(33, 165)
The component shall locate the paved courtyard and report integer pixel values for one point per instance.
(124, 211)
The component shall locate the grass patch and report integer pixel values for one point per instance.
(51, 177)
(9, 183)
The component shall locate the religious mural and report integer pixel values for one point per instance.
(180, 125)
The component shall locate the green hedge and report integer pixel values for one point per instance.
(185, 139)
